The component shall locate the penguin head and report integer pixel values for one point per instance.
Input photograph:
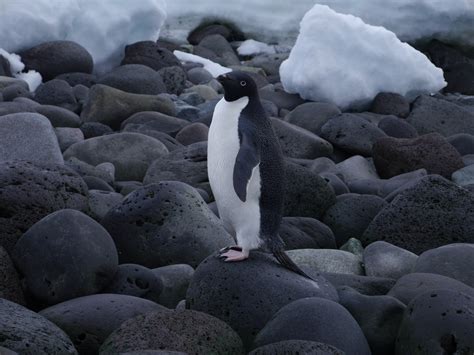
(237, 84)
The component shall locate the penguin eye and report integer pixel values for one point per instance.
(243, 83)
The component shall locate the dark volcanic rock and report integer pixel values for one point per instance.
(56, 92)
(193, 133)
(306, 233)
(13, 91)
(438, 322)
(312, 115)
(366, 285)
(387, 103)
(174, 79)
(463, 142)
(187, 331)
(460, 78)
(29, 192)
(432, 213)
(156, 121)
(393, 156)
(89, 320)
(150, 54)
(196, 35)
(58, 116)
(294, 347)
(301, 320)
(28, 333)
(226, 291)
(148, 226)
(57, 57)
(10, 287)
(175, 280)
(75, 244)
(397, 127)
(216, 48)
(76, 78)
(94, 129)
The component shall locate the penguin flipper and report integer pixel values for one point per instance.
(285, 261)
(247, 159)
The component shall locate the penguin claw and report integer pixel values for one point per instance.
(230, 247)
(234, 255)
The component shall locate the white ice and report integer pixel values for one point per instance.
(32, 78)
(214, 68)
(253, 47)
(103, 27)
(340, 59)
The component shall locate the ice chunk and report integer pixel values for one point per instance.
(32, 78)
(214, 68)
(338, 58)
(252, 47)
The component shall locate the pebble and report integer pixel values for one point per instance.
(13, 91)
(174, 79)
(336, 183)
(58, 116)
(216, 48)
(94, 129)
(367, 285)
(463, 142)
(95, 183)
(199, 76)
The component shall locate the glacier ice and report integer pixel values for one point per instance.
(253, 47)
(340, 59)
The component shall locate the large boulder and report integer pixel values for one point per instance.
(187, 331)
(31, 191)
(65, 255)
(28, 333)
(302, 320)
(247, 303)
(432, 213)
(91, 319)
(28, 136)
(148, 227)
(131, 153)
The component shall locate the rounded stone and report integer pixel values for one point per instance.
(10, 286)
(175, 280)
(58, 93)
(156, 121)
(327, 260)
(13, 91)
(65, 255)
(301, 320)
(437, 322)
(199, 76)
(78, 78)
(306, 233)
(366, 285)
(31, 191)
(312, 115)
(29, 333)
(100, 202)
(388, 103)
(463, 142)
(226, 291)
(58, 116)
(296, 347)
(397, 127)
(148, 227)
(151, 54)
(187, 331)
(89, 320)
(174, 79)
(94, 129)
(193, 133)
(67, 136)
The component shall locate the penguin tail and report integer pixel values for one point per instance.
(285, 261)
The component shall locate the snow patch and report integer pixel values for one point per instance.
(253, 47)
(340, 59)
(214, 68)
(32, 78)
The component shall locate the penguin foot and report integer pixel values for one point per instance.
(234, 253)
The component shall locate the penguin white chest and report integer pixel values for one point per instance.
(223, 147)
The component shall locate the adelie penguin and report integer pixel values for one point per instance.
(246, 171)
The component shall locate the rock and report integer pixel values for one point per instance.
(394, 156)
(193, 133)
(430, 114)
(306, 233)
(85, 169)
(270, 63)
(312, 115)
(354, 168)
(281, 98)
(464, 177)
(95, 183)
(153, 352)
(174, 79)
(53, 58)
(301, 320)
(58, 116)
(186, 331)
(453, 260)
(28, 333)
(351, 214)
(199, 76)
(191, 98)
(293, 347)
(150, 54)
(297, 142)
(5, 351)
(6, 81)
(196, 35)
(131, 153)
(28, 136)
(187, 112)
(94, 129)
(67, 136)
(460, 78)
(10, 287)
(7, 108)
(31, 191)
(432, 213)
(378, 316)
(437, 322)
(216, 48)
(112, 106)
(327, 260)
(148, 227)
(89, 320)
(336, 183)
(56, 92)
(126, 187)
(100, 202)
(78, 78)
(463, 142)
(306, 193)
(366, 285)
(351, 133)
(13, 91)
(388, 103)
(175, 280)
(248, 303)
(397, 127)
(50, 245)
(135, 79)
(409, 286)
(170, 143)
(353, 246)
(187, 164)
(5, 69)
(383, 259)
(156, 121)
(205, 92)
(135, 280)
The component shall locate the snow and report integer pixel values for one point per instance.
(338, 58)
(32, 78)
(214, 68)
(103, 27)
(277, 20)
(253, 47)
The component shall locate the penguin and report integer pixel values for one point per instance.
(246, 171)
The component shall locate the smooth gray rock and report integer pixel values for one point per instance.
(89, 320)
(156, 121)
(383, 259)
(84, 169)
(199, 76)
(78, 78)
(13, 91)
(463, 142)
(281, 98)
(28, 136)
(312, 115)
(95, 183)
(175, 280)
(464, 176)
(306, 233)
(366, 285)
(397, 127)
(353, 246)
(94, 129)
(151, 54)
(336, 183)
(58, 116)
(100, 202)
(294, 347)
(7, 108)
(52, 243)
(6, 81)
(193, 133)
(10, 287)
(56, 92)
(327, 260)
(68, 136)
(216, 48)
(354, 168)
